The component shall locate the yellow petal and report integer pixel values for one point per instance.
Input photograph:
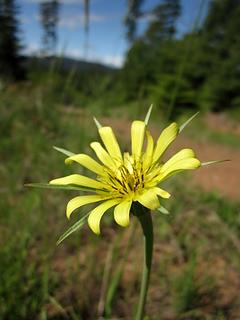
(86, 162)
(147, 158)
(164, 140)
(137, 134)
(184, 164)
(149, 199)
(162, 193)
(102, 155)
(121, 213)
(96, 215)
(110, 142)
(182, 154)
(80, 201)
(78, 180)
(128, 162)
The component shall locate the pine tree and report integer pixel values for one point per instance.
(152, 54)
(163, 26)
(10, 47)
(49, 19)
(133, 14)
(221, 40)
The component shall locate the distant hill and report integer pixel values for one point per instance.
(67, 64)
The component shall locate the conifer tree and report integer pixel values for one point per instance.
(221, 42)
(10, 46)
(163, 26)
(49, 19)
(133, 13)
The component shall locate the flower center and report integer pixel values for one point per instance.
(127, 179)
(131, 178)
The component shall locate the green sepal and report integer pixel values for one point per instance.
(64, 151)
(148, 114)
(213, 162)
(97, 123)
(163, 210)
(187, 122)
(58, 186)
(76, 226)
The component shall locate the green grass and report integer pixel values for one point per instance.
(196, 255)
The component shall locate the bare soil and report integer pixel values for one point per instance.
(222, 123)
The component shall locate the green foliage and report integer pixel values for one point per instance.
(11, 67)
(29, 123)
(133, 12)
(163, 26)
(74, 83)
(41, 280)
(199, 70)
(49, 19)
(222, 41)
(22, 283)
(186, 290)
(227, 211)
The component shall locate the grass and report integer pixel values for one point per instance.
(193, 277)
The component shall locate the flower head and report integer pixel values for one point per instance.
(124, 178)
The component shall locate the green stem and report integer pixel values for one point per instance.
(145, 219)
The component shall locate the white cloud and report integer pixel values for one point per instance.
(32, 49)
(114, 60)
(77, 20)
(74, 53)
(148, 17)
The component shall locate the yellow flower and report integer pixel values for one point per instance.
(124, 178)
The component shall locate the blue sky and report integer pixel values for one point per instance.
(107, 41)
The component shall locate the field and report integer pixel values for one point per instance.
(196, 254)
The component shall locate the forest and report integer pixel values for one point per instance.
(176, 72)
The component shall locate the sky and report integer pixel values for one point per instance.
(107, 36)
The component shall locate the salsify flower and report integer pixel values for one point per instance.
(122, 179)
(127, 182)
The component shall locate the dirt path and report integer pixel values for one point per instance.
(223, 178)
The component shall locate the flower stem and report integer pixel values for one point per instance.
(145, 219)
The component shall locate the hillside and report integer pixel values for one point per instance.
(67, 64)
